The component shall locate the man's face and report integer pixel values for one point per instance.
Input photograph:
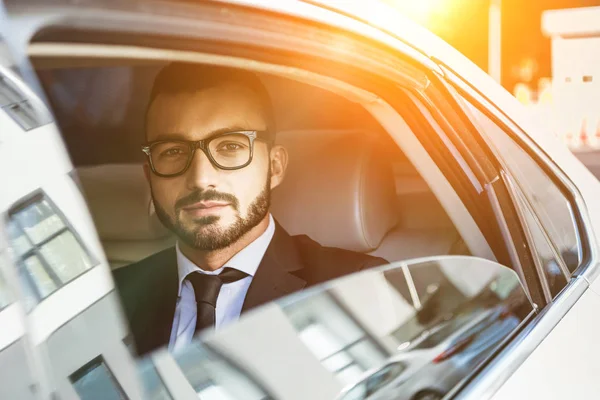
(209, 208)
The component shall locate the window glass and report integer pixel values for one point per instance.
(94, 381)
(549, 204)
(40, 276)
(5, 292)
(553, 269)
(39, 221)
(30, 296)
(213, 378)
(154, 387)
(65, 256)
(352, 334)
(47, 252)
(384, 376)
(19, 242)
(336, 340)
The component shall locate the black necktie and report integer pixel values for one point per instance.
(206, 290)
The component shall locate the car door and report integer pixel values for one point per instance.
(449, 153)
(62, 331)
(560, 346)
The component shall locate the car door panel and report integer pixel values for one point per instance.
(565, 364)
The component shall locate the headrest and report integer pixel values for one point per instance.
(339, 189)
(119, 199)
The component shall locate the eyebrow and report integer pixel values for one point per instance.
(181, 136)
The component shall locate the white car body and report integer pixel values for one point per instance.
(557, 356)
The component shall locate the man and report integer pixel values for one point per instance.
(211, 165)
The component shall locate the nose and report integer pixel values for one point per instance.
(201, 174)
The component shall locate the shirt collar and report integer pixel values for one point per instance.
(246, 260)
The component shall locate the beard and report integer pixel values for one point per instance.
(205, 233)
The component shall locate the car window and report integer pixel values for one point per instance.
(214, 378)
(95, 381)
(48, 253)
(354, 337)
(551, 268)
(548, 204)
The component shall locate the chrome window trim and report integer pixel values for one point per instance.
(590, 268)
(493, 376)
(516, 198)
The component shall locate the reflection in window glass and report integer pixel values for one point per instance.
(386, 345)
(214, 378)
(335, 339)
(30, 297)
(548, 202)
(5, 293)
(549, 262)
(48, 253)
(39, 221)
(8, 94)
(65, 256)
(42, 280)
(154, 387)
(18, 240)
(14, 103)
(95, 382)
(384, 376)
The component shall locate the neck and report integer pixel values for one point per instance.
(212, 260)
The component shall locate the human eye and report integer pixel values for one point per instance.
(171, 150)
(230, 146)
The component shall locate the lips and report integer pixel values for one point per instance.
(205, 207)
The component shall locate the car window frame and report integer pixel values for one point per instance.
(491, 378)
(543, 161)
(493, 181)
(405, 71)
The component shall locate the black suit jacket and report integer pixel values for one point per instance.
(149, 288)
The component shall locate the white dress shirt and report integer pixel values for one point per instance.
(231, 296)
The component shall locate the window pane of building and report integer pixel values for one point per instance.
(552, 207)
(18, 240)
(65, 256)
(42, 280)
(47, 251)
(95, 382)
(39, 221)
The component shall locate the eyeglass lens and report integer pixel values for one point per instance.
(227, 151)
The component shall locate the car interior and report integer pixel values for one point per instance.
(348, 184)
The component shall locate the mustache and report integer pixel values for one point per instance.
(207, 195)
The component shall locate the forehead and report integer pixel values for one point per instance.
(199, 114)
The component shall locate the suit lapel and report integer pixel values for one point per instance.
(153, 320)
(274, 278)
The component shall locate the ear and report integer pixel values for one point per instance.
(279, 162)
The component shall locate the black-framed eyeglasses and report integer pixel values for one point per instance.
(229, 151)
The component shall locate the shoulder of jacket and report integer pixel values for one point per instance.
(315, 254)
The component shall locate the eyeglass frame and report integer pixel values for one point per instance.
(203, 145)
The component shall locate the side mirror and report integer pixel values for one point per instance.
(405, 328)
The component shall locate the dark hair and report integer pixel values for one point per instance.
(183, 77)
